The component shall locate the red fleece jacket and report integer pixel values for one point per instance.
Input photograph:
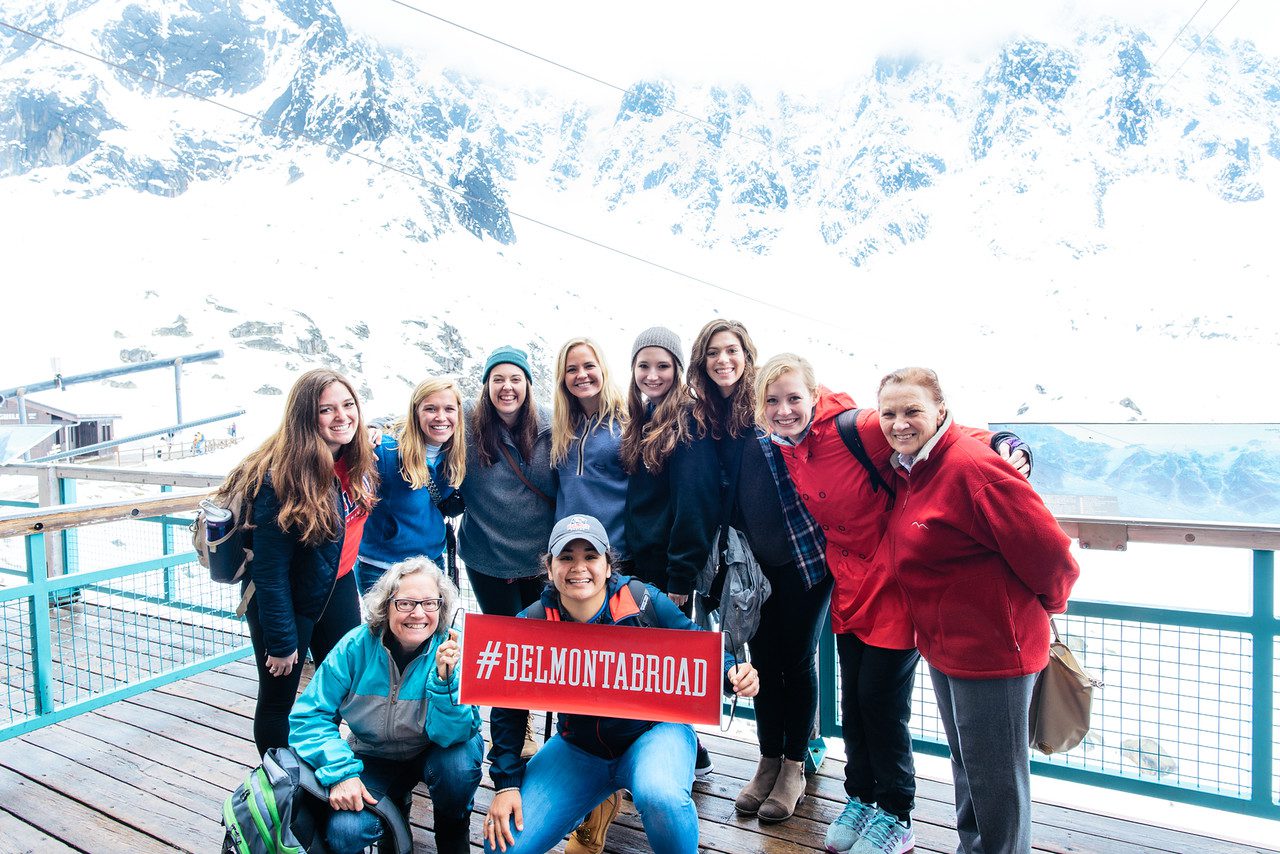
(981, 560)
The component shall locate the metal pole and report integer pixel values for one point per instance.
(89, 449)
(177, 386)
(22, 418)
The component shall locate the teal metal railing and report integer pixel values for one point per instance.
(1190, 708)
(102, 601)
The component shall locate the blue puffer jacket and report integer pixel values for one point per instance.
(608, 738)
(391, 715)
(289, 577)
(591, 480)
(405, 522)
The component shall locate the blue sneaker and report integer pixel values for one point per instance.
(848, 827)
(885, 835)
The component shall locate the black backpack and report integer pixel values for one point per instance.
(847, 427)
(279, 809)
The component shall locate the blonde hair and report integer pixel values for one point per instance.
(301, 464)
(413, 442)
(567, 414)
(777, 368)
(377, 602)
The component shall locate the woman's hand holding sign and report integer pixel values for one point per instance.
(447, 656)
(744, 679)
(497, 828)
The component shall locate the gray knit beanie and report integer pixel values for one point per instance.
(659, 336)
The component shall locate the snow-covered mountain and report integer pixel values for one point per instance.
(1051, 224)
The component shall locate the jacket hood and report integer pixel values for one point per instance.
(830, 404)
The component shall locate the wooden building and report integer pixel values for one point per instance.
(75, 431)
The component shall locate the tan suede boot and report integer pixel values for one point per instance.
(787, 791)
(530, 742)
(588, 837)
(754, 793)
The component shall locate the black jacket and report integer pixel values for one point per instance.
(289, 577)
(672, 516)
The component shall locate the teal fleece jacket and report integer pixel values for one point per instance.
(391, 714)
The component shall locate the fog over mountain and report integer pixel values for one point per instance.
(1062, 233)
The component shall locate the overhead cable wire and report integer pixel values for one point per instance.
(419, 177)
(1196, 49)
(1174, 40)
(571, 70)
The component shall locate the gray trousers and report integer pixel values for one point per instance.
(986, 725)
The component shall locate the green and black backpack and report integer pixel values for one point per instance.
(280, 809)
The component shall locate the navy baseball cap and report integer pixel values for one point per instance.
(578, 527)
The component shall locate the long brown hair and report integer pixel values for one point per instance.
(650, 440)
(301, 464)
(487, 425)
(706, 406)
(567, 413)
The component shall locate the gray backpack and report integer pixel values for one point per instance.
(731, 589)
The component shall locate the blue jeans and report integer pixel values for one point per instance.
(562, 783)
(366, 575)
(452, 775)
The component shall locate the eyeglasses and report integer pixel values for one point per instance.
(407, 606)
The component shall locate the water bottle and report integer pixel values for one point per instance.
(218, 521)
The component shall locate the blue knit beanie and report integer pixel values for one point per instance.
(506, 354)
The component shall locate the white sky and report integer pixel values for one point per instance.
(800, 45)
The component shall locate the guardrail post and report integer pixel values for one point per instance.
(41, 642)
(70, 539)
(49, 487)
(1264, 644)
(828, 677)
(167, 548)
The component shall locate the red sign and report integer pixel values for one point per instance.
(610, 671)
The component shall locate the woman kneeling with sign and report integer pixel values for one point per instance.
(590, 758)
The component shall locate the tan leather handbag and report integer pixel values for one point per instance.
(1061, 700)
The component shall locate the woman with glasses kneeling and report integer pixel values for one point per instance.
(590, 758)
(395, 683)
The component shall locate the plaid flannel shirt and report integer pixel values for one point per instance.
(808, 543)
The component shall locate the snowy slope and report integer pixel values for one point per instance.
(1046, 223)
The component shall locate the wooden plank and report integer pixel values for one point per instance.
(69, 820)
(63, 516)
(22, 838)
(220, 772)
(152, 779)
(154, 816)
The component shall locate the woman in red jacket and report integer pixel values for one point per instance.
(982, 564)
(874, 636)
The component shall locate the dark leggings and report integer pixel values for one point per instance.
(875, 713)
(277, 693)
(505, 597)
(784, 652)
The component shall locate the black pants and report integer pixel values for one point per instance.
(277, 693)
(784, 652)
(875, 711)
(505, 597)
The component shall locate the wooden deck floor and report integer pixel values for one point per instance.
(149, 775)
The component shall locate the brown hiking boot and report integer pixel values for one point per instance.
(530, 742)
(588, 837)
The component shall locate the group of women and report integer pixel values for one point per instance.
(926, 540)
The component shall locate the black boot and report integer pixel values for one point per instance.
(453, 836)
